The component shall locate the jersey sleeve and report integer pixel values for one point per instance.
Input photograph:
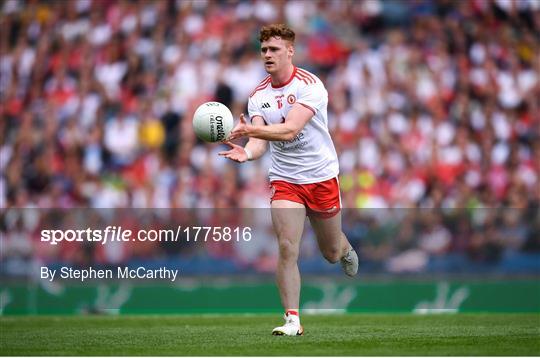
(253, 108)
(313, 96)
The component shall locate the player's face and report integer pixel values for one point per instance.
(276, 54)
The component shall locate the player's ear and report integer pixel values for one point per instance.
(290, 49)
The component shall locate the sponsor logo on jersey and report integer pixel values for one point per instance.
(280, 101)
(265, 105)
(296, 143)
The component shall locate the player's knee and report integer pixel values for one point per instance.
(288, 250)
(332, 255)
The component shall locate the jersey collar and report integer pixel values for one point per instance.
(288, 81)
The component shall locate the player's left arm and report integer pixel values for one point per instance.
(296, 120)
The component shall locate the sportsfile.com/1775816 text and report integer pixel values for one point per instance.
(118, 234)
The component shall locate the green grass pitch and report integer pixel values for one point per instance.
(342, 335)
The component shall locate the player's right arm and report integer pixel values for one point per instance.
(254, 149)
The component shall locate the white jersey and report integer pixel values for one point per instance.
(310, 157)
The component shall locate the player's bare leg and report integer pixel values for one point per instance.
(334, 244)
(288, 219)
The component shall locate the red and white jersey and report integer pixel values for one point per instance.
(310, 157)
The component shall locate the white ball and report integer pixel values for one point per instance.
(212, 122)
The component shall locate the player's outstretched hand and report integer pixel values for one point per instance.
(236, 153)
(240, 130)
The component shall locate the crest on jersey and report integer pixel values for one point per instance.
(291, 99)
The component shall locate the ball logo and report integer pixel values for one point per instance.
(217, 123)
(291, 99)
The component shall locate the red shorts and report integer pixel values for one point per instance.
(320, 199)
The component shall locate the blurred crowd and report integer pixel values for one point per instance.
(432, 104)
